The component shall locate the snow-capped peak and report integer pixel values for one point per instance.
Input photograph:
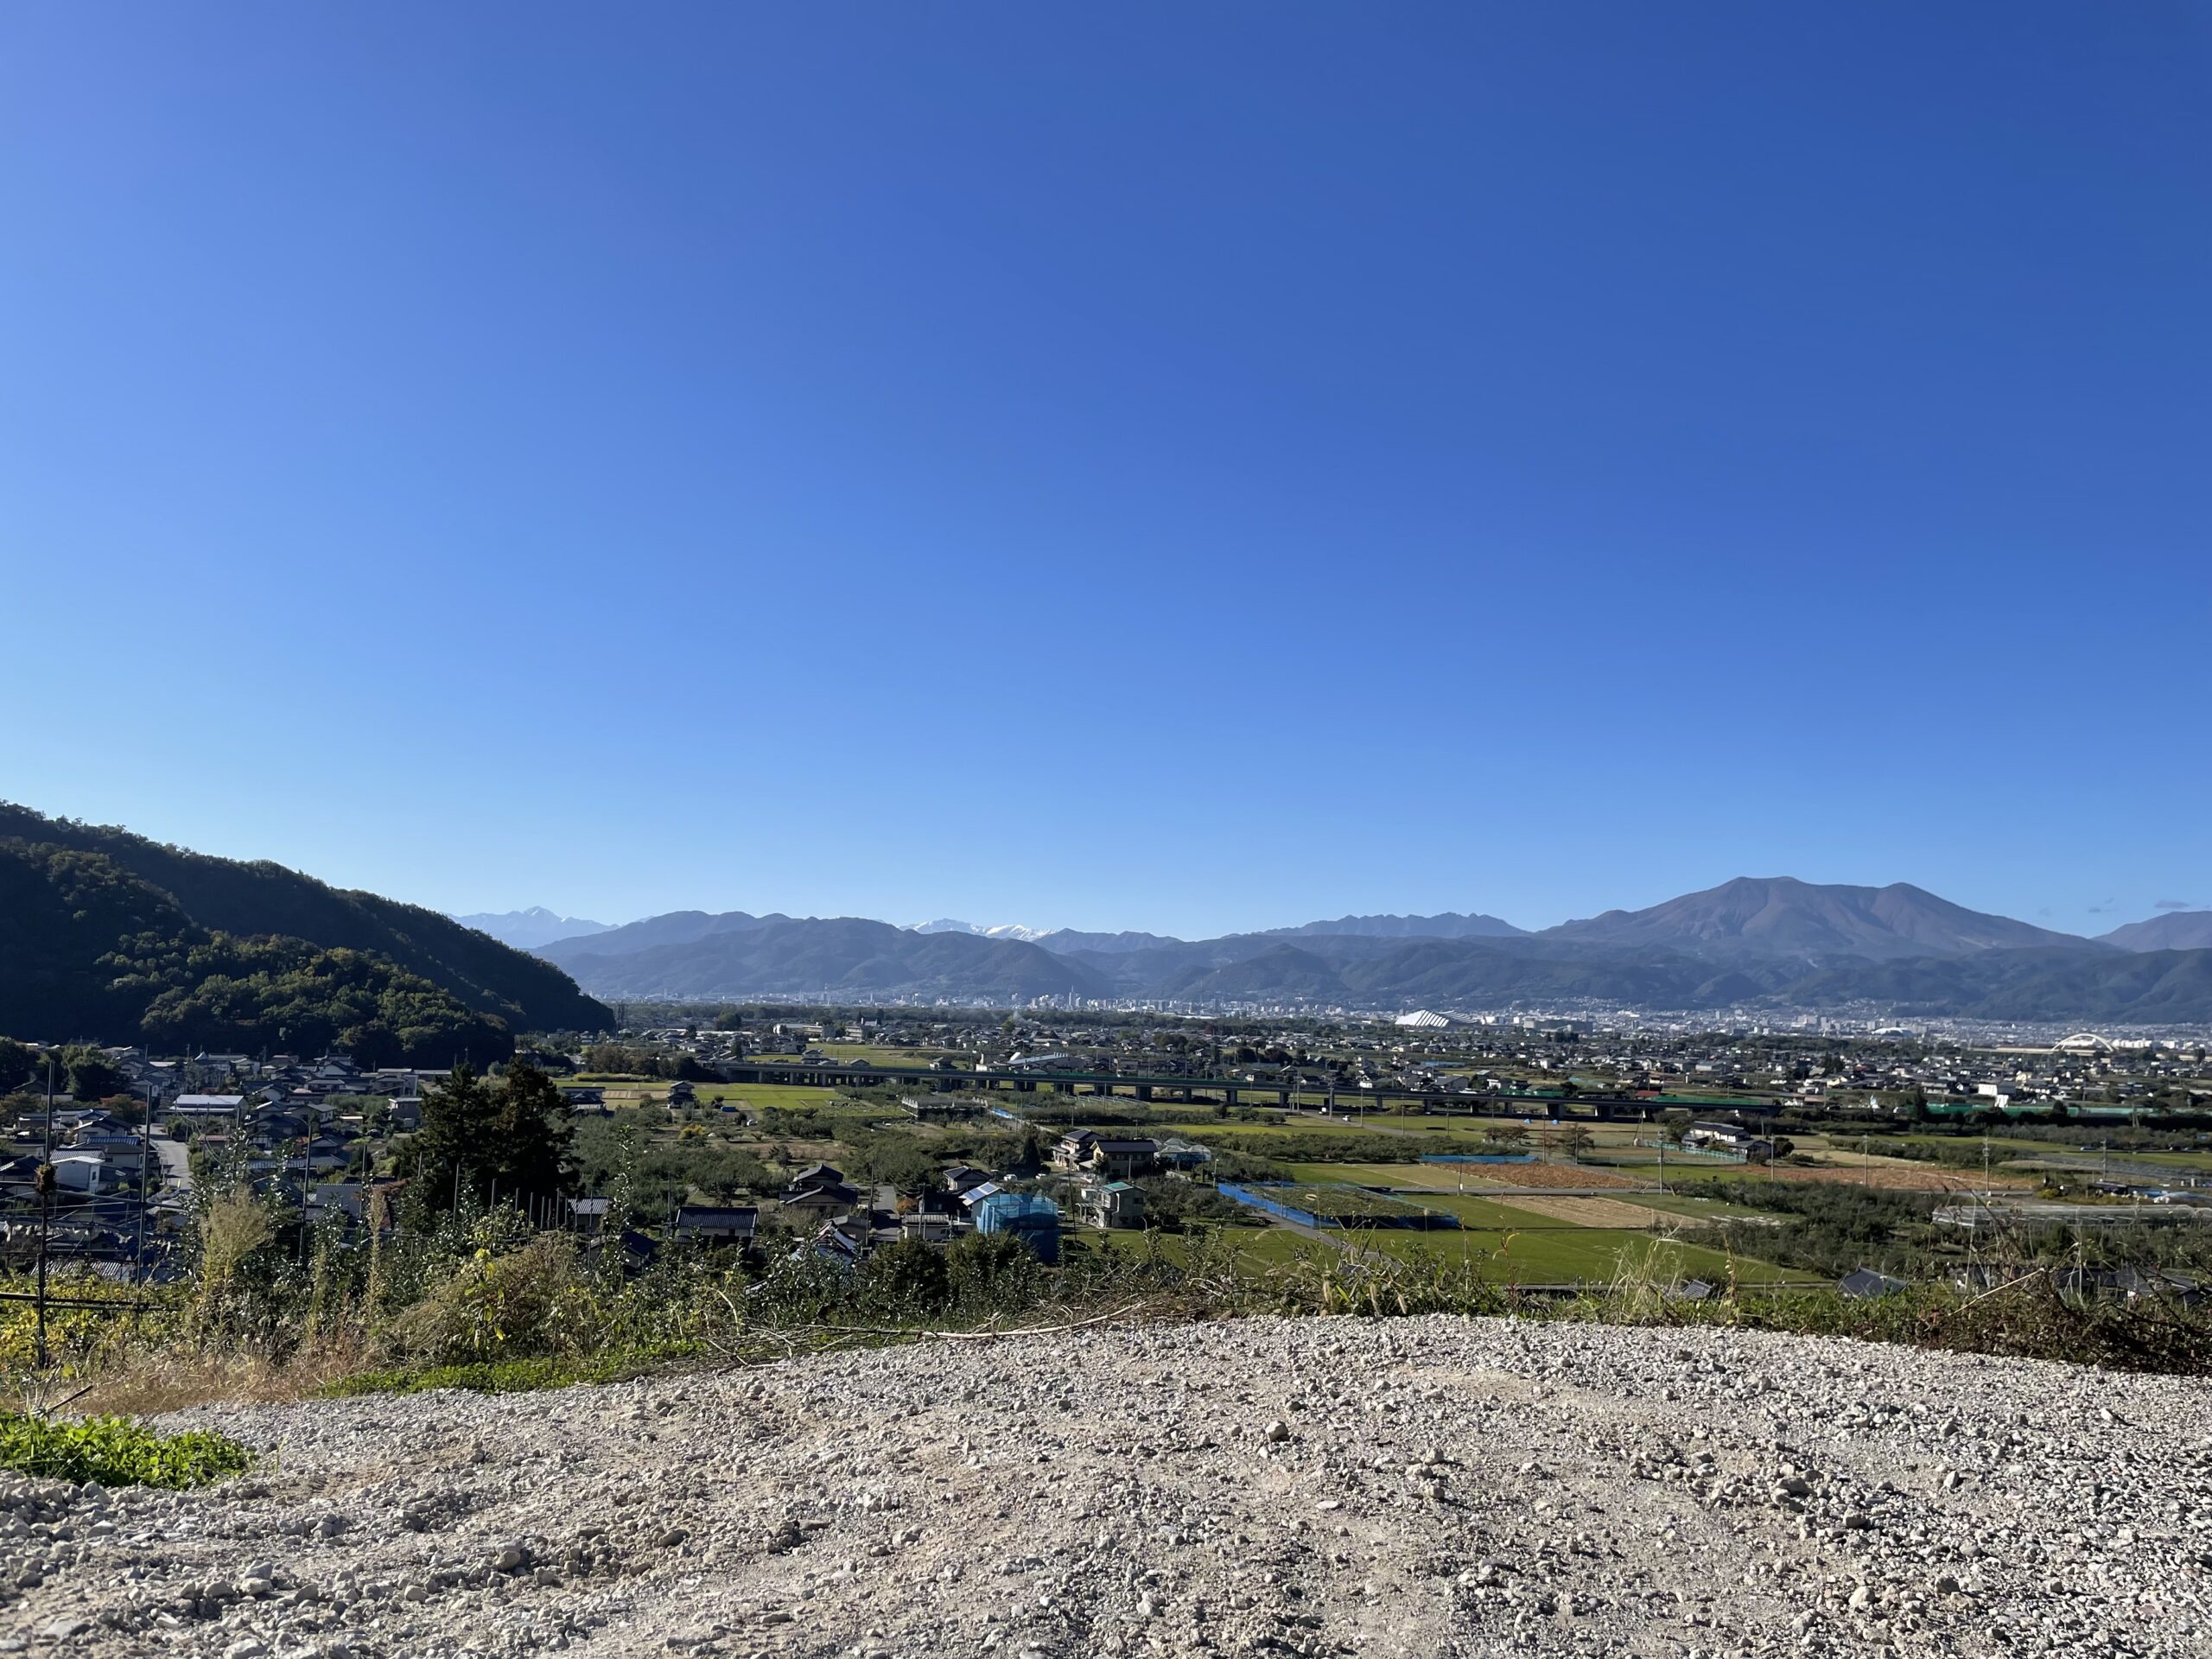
(1003, 931)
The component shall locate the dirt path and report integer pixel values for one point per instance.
(1319, 1487)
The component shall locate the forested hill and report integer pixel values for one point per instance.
(104, 934)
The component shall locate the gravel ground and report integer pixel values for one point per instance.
(1423, 1487)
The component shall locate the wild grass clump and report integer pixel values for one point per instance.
(114, 1451)
(537, 1300)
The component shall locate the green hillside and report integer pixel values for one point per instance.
(106, 935)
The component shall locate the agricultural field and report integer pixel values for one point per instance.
(1894, 1174)
(1346, 1206)
(1563, 1255)
(1503, 1245)
(1552, 1175)
(1471, 1210)
(1602, 1213)
(1465, 1178)
(873, 1054)
(1676, 1204)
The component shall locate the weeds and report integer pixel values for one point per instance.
(492, 1376)
(479, 1300)
(114, 1451)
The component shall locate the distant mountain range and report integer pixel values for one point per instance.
(2177, 929)
(526, 929)
(692, 954)
(106, 936)
(1774, 941)
(1449, 926)
(1780, 916)
(1003, 931)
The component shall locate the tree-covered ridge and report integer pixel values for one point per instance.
(250, 994)
(91, 950)
(84, 943)
(260, 900)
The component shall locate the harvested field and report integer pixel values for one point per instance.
(1587, 1212)
(1898, 1176)
(1543, 1175)
(1468, 1177)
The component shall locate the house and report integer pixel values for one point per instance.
(1121, 1158)
(821, 1190)
(847, 1242)
(406, 1112)
(1728, 1137)
(965, 1177)
(941, 1109)
(1182, 1154)
(1074, 1149)
(85, 1171)
(1113, 1205)
(713, 1224)
(348, 1199)
(588, 1215)
(98, 1131)
(682, 1094)
(206, 1106)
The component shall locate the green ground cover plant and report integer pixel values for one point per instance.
(114, 1451)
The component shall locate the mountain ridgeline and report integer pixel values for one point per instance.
(107, 937)
(2180, 930)
(1774, 941)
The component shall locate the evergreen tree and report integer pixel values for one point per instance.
(455, 1151)
(531, 1132)
(481, 1141)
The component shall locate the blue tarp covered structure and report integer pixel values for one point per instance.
(1035, 1221)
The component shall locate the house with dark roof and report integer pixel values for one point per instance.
(821, 1190)
(717, 1225)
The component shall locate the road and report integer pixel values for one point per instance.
(176, 1164)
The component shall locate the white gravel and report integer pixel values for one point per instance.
(1421, 1487)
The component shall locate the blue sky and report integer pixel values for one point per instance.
(1184, 467)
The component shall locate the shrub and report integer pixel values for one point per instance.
(533, 1301)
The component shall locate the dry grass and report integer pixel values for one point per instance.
(151, 1383)
(1590, 1212)
(1553, 1175)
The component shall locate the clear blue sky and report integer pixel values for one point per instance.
(1184, 466)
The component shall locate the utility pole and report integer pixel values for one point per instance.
(45, 1185)
(145, 1151)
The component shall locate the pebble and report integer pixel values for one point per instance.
(1452, 1485)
